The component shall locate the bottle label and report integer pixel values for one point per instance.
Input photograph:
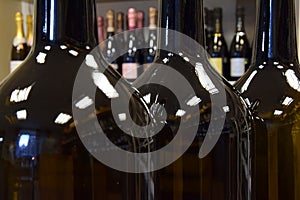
(237, 67)
(130, 70)
(217, 63)
(14, 64)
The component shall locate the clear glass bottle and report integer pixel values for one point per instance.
(225, 171)
(273, 81)
(42, 155)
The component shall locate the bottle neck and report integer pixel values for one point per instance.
(218, 26)
(185, 16)
(276, 32)
(19, 29)
(240, 27)
(69, 21)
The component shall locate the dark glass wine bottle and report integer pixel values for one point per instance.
(19, 46)
(29, 35)
(209, 27)
(100, 21)
(225, 171)
(240, 51)
(132, 59)
(42, 155)
(217, 47)
(150, 51)
(273, 80)
(111, 46)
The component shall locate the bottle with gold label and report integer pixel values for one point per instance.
(217, 47)
(19, 46)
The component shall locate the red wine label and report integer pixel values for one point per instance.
(14, 64)
(237, 67)
(130, 70)
(217, 63)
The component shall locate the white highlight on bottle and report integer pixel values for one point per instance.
(180, 113)
(62, 118)
(84, 103)
(193, 101)
(19, 95)
(41, 58)
(104, 85)
(21, 114)
(287, 101)
(73, 52)
(278, 112)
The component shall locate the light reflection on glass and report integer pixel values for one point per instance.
(90, 61)
(101, 81)
(193, 101)
(63, 47)
(292, 79)
(62, 118)
(205, 80)
(21, 114)
(48, 48)
(19, 95)
(278, 112)
(226, 109)
(41, 58)
(287, 101)
(84, 103)
(73, 52)
(24, 140)
(122, 117)
(180, 113)
(247, 83)
(147, 98)
(1, 139)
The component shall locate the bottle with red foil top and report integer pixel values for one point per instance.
(100, 29)
(132, 58)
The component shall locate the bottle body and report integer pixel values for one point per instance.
(219, 174)
(272, 71)
(19, 48)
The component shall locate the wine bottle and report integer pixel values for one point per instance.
(132, 58)
(43, 154)
(218, 48)
(209, 24)
(273, 80)
(225, 171)
(240, 51)
(19, 47)
(150, 52)
(29, 35)
(100, 29)
(111, 46)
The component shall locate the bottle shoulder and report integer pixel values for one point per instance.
(275, 84)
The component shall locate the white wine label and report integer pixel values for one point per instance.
(237, 67)
(115, 66)
(130, 70)
(14, 64)
(217, 63)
